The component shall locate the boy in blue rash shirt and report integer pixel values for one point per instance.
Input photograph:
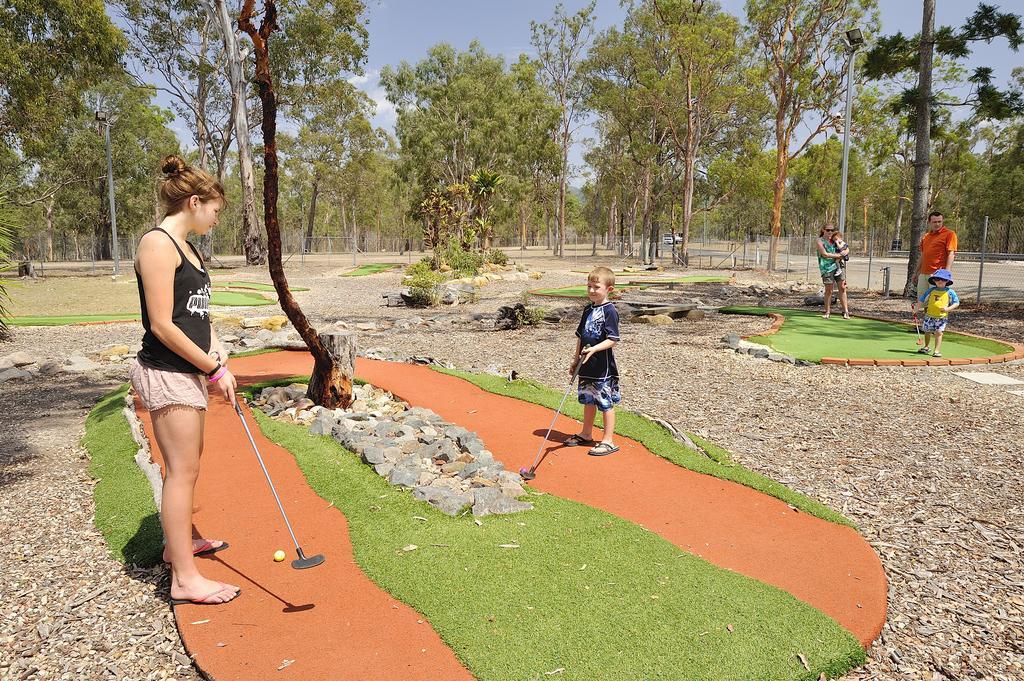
(938, 300)
(596, 335)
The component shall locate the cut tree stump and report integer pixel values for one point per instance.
(342, 346)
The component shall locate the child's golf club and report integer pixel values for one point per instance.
(302, 561)
(531, 473)
(917, 327)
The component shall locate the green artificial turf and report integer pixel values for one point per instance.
(687, 279)
(712, 461)
(239, 299)
(566, 589)
(577, 291)
(64, 320)
(805, 335)
(125, 511)
(581, 290)
(255, 286)
(371, 268)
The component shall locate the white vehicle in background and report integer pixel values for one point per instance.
(666, 239)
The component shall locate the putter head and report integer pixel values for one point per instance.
(302, 562)
(527, 474)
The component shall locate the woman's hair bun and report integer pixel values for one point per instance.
(173, 165)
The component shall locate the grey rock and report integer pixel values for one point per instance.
(393, 454)
(488, 500)
(732, 340)
(404, 476)
(49, 368)
(264, 335)
(760, 353)
(324, 423)
(79, 364)
(373, 455)
(470, 469)
(14, 374)
(453, 467)
(445, 500)
(470, 443)
(17, 359)
(383, 469)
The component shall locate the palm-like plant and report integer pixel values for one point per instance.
(482, 186)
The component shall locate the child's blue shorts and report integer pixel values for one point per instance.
(934, 324)
(602, 393)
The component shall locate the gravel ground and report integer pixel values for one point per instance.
(922, 460)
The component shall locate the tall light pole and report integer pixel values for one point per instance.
(103, 118)
(854, 39)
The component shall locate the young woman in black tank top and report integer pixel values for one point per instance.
(181, 359)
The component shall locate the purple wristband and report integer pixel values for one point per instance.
(217, 376)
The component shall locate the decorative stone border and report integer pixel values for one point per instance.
(143, 457)
(1016, 353)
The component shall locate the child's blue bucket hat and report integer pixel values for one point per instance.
(941, 274)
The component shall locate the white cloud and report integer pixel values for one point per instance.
(369, 83)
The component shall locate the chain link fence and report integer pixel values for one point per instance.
(989, 265)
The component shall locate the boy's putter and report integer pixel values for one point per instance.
(917, 327)
(531, 473)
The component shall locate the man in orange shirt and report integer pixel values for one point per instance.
(938, 249)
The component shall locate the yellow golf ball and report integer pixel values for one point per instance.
(278, 556)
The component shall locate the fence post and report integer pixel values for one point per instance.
(807, 260)
(789, 249)
(981, 265)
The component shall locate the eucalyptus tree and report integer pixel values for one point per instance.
(462, 112)
(804, 60)
(51, 53)
(896, 54)
(561, 46)
(708, 96)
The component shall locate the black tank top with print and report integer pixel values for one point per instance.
(191, 314)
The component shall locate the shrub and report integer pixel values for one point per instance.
(423, 287)
(496, 256)
(463, 263)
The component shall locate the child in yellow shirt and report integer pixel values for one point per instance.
(938, 300)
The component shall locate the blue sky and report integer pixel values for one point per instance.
(405, 29)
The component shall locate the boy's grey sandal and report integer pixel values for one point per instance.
(603, 449)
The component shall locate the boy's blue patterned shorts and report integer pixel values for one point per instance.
(603, 393)
(934, 324)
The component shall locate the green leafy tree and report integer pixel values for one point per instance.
(51, 51)
(561, 45)
(804, 61)
(896, 54)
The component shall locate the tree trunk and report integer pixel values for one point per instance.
(778, 189)
(646, 219)
(49, 228)
(333, 388)
(311, 220)
(561, 192)
(922, 150)
(255, 254)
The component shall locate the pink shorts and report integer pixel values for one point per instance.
(159, 389)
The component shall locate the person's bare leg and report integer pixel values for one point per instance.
(828, 300)
(938, 342)
(609, 425)
(178, 432)
(589, 413)
(842, 299)
(927, 339)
